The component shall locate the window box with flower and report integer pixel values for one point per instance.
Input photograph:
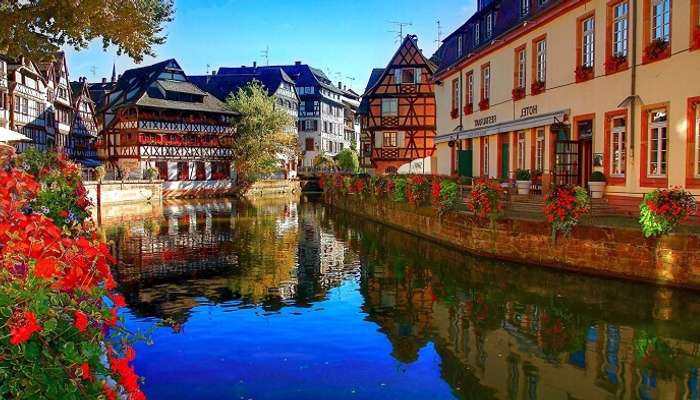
(518, 93)
(454, 113)
(469, 109)
(696, 38)
(658, 49)
(537, 87)
(615, 63)
(484, 104)
(583, 73)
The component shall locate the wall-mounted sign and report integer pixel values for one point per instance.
(485, 121)
(528, 111)
(598, 160)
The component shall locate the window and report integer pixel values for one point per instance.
(407, 76)
(489, 25)
(485, 161)
(618, 146)
(183, 171)
(162, 167)
(620, 29)
(455, 95)
(17, 106)
(588, 42)
(541, 65)
(524, 7)
(486, 82)
(521, 57)
(477, 40)
(389, 139)
(521, 150)
(390, 107)
(539, 151)
(470, 87)
(658, 144)
(200, 171)
(309, 144)
(661, 20)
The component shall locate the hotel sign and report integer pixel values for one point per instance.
(490, 120)
(529, 111)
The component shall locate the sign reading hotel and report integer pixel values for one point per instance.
(529, 111)
(490, 120)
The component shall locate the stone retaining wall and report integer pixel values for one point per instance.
(616, 252)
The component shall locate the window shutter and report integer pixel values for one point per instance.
(400, 139)
(378, 139)
(397, 76)
(418, 75)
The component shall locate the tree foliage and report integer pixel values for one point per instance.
(38, 28)
(264, 133)
(348, 160)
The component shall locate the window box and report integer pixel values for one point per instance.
(454, 114)
(484, 104)
(537, 87)
(615, 64)
(656, 50)
(583, 73)
(696, 38)
(518, 93)
(468, 109)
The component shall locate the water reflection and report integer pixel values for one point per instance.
(427, 322)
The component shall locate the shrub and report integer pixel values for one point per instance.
(400, 185)
(449, 196)
(522, 175)
(597, 176)
(564, 205)
(61, 337)
(378, 185)
(418, 190)
(662, 210)
(486, 200)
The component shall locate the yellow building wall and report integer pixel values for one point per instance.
(671, 81)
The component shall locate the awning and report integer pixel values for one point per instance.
(90, 163)
(503, 127)
(7, 135)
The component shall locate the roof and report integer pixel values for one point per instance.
(98, 91)
(373, 79)
(181, 87)
(222, 86)
(301, 74)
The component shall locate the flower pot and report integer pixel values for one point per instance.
(597, 189)
(523, 187)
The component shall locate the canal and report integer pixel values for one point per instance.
(287, 299)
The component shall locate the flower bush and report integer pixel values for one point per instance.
(378, 186)
(449, 197)
(615, 63)
(656, 50)
(518, 93)
(486, 199)
(468, 109)
(583, 73)
(61, 337)
(564, 206)
(400, 183)
(537, 87)
(417, 192)
(484, 104)
(662, 210)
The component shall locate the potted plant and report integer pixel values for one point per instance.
(522, 181)
(596, 183)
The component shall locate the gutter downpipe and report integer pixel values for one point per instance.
(633, 80)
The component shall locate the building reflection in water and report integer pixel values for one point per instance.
(501, 330)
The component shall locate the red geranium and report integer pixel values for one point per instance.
(23, 325)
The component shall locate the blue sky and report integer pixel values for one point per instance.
(346, 37)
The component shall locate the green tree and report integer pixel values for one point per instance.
(38, 28)
(264, 133)
(348, 160)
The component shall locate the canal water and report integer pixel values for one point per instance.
(288, 299)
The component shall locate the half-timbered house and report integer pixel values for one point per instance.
(84, 128)
(58, 94)
(156, 119)
(4, 93)
(29, 109)
(398, 113)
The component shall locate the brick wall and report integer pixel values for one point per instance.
(623, 253)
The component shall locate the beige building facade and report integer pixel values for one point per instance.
(574, 87)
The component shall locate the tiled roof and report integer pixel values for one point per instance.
(222, 86)
(373, 78)
(181, 87)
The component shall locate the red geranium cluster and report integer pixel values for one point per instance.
(564, 205)
(358, 185)
(55, 281)
(435, 192)
(663, 209)
(417, 190)
(486, 199)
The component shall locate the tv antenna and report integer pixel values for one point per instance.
(398, 29)
(93, 71)
(208, 66)
(266, 55)
(439, 33)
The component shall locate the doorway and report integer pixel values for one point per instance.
(585, 137)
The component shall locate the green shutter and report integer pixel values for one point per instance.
(465, 163)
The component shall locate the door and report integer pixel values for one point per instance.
(465, 165)
(505, 158)
(566, 166)
(586, 161)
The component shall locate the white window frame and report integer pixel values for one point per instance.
(390, 145)
(541, 72)
(485, 161)
(540, 151)
(477, 39)
(618, 147)
(388, 110)
(454, 88)
(522, 149)
(657, 156)
(620, 30)
(588, 42)
(524, 8)
(470, 88)
(486, 83)
(488, 25)
(661, 22)
(522, 68)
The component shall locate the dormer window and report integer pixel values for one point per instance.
(489, 25)
(477, 40)
(524, 8)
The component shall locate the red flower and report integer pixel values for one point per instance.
(22, 327)
(80, 321)
(46, 268)
(118, 300)
(63, 214)
(85, 371)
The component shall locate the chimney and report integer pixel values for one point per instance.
(297, 63)
(340, 85)
(213, 73)
(104, 80)
(255, 64)
(120, 77)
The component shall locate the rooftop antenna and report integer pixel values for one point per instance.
(439, 33)
(93, 71)
(208, 66)
(398, 29)
(266, 55)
